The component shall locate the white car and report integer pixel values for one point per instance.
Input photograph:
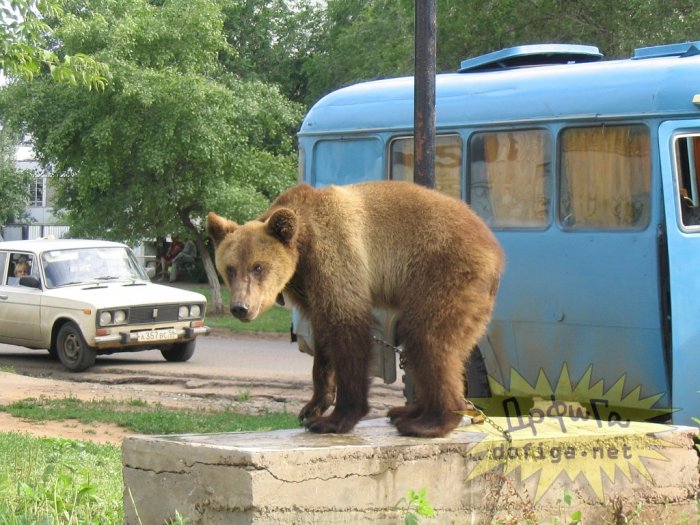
(81, 298)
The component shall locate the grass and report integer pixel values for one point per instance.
(142, 418)
(277, 319)
(59, 481)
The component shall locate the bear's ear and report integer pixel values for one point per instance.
(283, 225)
(218, 227)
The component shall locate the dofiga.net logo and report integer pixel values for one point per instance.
(574, 428)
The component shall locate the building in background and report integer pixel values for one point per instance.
(40, 220)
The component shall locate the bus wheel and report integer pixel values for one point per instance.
(476, 382)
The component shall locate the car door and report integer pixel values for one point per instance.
(680, 164)
(20, 306)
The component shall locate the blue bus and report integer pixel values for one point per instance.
(587, 170)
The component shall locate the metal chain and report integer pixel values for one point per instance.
(506, 434)
(478, 412)
(397, 349)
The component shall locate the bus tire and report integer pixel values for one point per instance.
(476, 379)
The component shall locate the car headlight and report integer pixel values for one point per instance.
(119, 317)
(112, 317)
(105, 318)
(191, 311)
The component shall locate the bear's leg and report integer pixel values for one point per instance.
(438, 335)
(324, 387)
(349, 348)
(434, 414)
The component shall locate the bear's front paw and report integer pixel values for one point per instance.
(329, 425)
(312, 410)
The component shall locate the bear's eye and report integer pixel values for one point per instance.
(258, 269)
(230, 273)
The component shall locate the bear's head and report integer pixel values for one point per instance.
(256, 259)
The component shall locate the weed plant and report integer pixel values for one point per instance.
(58, 481)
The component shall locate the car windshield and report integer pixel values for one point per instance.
(90, 265)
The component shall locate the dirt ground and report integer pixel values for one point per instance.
(16, 387)
(157, 386)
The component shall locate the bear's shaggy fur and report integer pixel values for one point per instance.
(337, 252)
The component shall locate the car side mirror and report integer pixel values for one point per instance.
(29, 281)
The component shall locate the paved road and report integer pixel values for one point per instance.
(216, 355)
(265, 369)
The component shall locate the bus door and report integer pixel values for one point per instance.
(680, 168)
(580, 291)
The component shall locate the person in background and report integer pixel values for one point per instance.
(22, 269)
(166, 260)
(186, 256)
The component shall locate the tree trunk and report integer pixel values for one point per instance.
(217, 304)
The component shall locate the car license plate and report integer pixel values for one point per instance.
(157, 335)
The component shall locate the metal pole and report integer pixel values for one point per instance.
(424, 94)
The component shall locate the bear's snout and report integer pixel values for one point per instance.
(240, 311)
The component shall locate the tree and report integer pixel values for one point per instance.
(14, 183)
(24, 52)
(271, 40)
(467, 28)
(171, 137)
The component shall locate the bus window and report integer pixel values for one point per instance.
(510, 173)
(347, 161)
(605, 177)
(448, 163)
(687, 150)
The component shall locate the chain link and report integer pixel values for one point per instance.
(397, 349)
(479, 413)
(491, 422)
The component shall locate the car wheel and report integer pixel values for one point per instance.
(179, 352)
(72, 350)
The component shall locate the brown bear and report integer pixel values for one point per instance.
(338, 251)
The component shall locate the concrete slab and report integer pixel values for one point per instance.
(561, 467)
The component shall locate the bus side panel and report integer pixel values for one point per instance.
(585, 301)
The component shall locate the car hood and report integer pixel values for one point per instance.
(118, 294)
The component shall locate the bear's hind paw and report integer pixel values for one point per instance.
(429, 427)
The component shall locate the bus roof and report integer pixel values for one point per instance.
(649, 84)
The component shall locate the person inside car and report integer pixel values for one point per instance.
(21, 269)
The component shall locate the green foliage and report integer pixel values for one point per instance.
(14, 184)
(415, 506)
(467, 28)
(170, 132)
(575, 517)
(59, 481)
(25, 48)
(270, 40)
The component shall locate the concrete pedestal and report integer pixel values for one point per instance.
(473, 476)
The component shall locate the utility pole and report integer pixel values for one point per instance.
(424, 93)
